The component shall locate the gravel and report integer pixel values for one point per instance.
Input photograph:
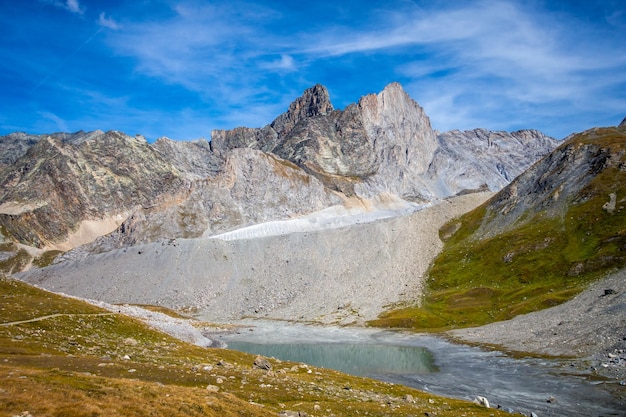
(591, 327)
(346, 272)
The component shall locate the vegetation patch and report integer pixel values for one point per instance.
(46, 258)
(114, 365)
(545, 259)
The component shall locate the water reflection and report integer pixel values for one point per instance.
(354, 359)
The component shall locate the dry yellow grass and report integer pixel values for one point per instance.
(64, 358)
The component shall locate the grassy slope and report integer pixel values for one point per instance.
(72, 364)
(544, 260)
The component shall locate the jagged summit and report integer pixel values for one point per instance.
(385, 144)
(315, 101)
(623, 124)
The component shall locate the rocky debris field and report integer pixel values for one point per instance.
(346, 275)
(590, 327)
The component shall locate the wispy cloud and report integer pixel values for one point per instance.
(107, 22)
(74, 7)
(485, 56)
(283, 63)
(69, 5)
(494, 64)
(58, 122)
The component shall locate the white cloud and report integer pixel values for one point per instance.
(74, 7)
(284, 63)
(470, 62)
(60, 125)
(107, 22)
(504, 62)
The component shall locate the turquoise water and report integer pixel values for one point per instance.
(355, 359)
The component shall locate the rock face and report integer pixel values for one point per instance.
(252, 187)
(576, 172)
(481, 158)
(385, 144)
(58, 184)
(195, 159)
(380, 145)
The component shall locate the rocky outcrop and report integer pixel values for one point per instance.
(385, 144)
(576, 172)
(315, 101)
(252, 187)
(57, 185)
(478, 159)
(623, 124)
(14, 146)
(195, 159)
(380, 145)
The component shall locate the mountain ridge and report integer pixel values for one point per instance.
(382, 145)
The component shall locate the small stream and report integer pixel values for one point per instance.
(434, 365)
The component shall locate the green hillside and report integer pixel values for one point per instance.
(536, 244)
(62, 357)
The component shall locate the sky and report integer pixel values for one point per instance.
(181, 68)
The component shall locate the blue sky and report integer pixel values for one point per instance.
(180, 68)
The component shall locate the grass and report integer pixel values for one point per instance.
(544, 260)
(74, 359)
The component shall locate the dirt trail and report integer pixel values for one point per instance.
(51, 316)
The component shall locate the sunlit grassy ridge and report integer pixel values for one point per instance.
(541, 258)
(62, 357)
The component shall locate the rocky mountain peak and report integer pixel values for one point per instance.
(315, 101)
(623, 124)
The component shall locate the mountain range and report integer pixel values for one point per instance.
(64, 191)
(360, 216)
(324, 215)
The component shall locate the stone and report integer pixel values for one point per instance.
(212, 388)
(482, 401)
(262, 363)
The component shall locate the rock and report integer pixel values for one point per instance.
(224, 364)
(262, 363)
(385, 144)
(482, 401)
(68, 182)
(23, 414)
(212, 388)
(623, 123)
(131, 341)
(485, 158)
(533, 415)
(553, 183)
(609, 291)
(609, 206)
